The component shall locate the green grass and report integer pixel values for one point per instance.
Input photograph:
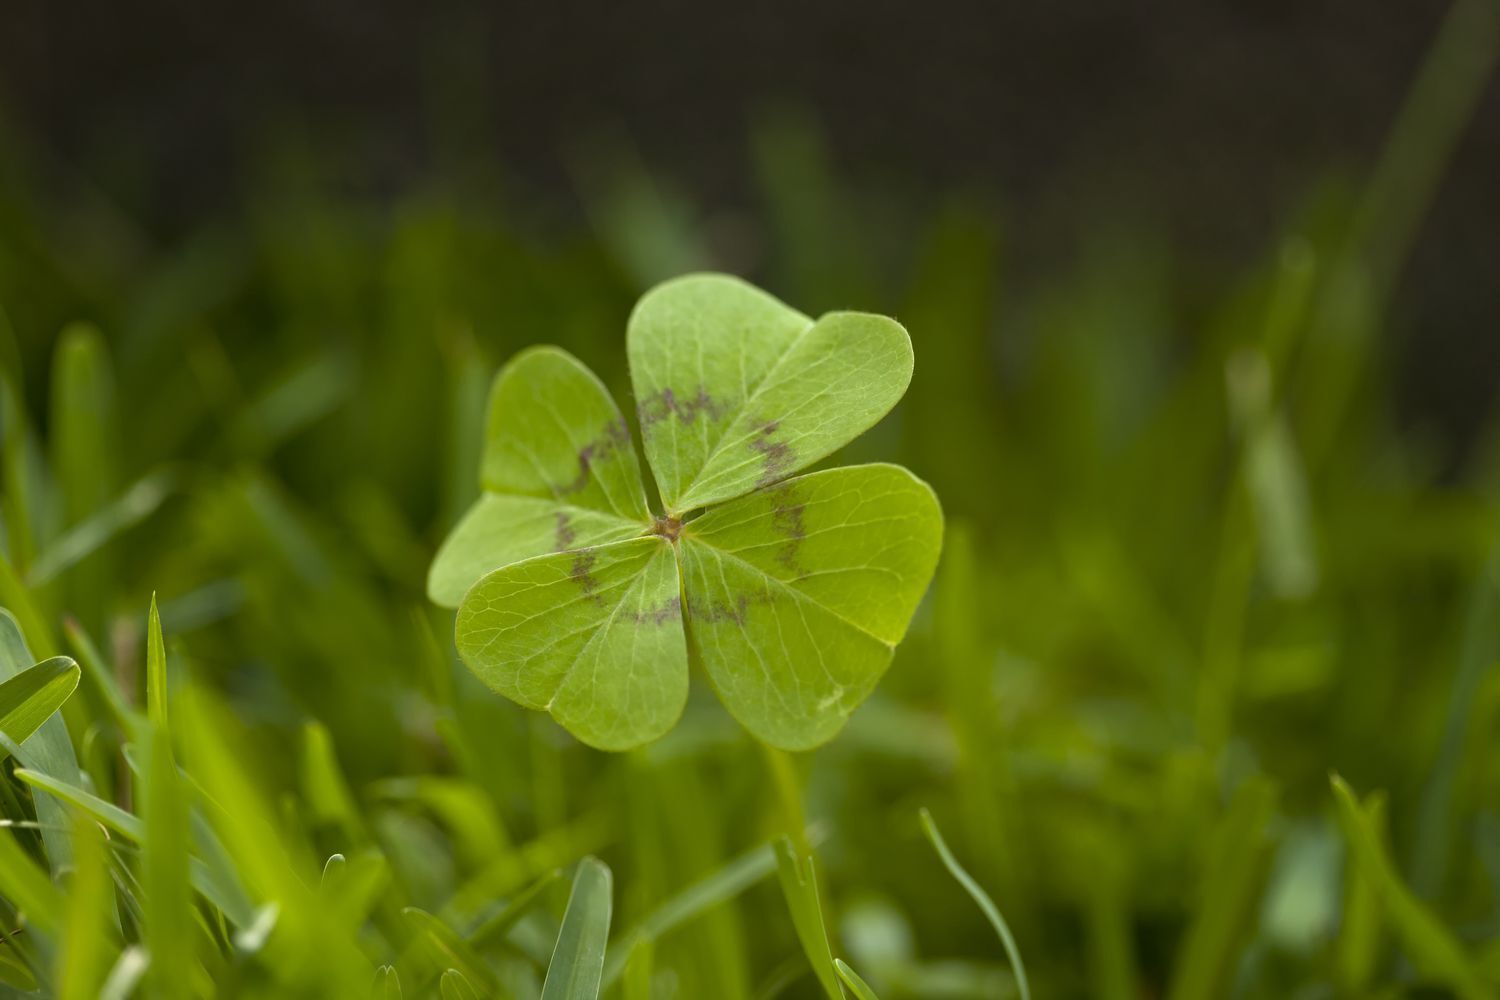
(1193, 568)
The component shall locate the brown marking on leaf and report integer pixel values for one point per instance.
(666, 403)
(788, 518)
(668, 611)
(582, 572)
(777, 455)
(564, 532)
(616, 435)
(717, 612)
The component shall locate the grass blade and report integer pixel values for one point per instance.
(1429, 945)
(26, 885)
(156, 669)
(577, 964)
(857, 986)
(167, 895)
(219, 886)
(706, 893)
(49, 750)
(89, 938)
(29, 698)
(799, 883)
(987, 905)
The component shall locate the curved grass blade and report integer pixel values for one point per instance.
(387, 985)
(1429, 945)
(50, 749)
(453, 986)
(577, 964)
(799, 883)
(857, 986)
(27, 886)
(711, 890)
(991, 911)
(448, 949)
(30, 697)
(218, 884)
(121, 514)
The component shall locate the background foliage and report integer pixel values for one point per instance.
(1192, 569)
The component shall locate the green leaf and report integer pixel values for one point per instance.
(857, 985)
(156, 668)
(167, 893)
(559, 472)
(90, 940)
(736, 391)
(594, 637)
(713, 889)
(387, 985)
(799, 884)
(797, 594)
(27, 887)
(578, 957)
(214, 878)
(49, 750)
(980, 897)
(453, 986)
(1429, 945)
(571, 596)
(31, 697)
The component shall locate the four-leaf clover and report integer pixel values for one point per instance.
(790, 592)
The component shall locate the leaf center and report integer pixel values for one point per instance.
(667, 527)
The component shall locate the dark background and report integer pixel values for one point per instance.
(1208, 120)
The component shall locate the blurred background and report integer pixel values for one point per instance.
(1207, 334)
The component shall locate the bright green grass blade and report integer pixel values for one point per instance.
(167, 895)
(559, 472)
(793, 609)
(453, 986)
(387, 985)
(128, 971)
(594, 637)
(156, 669)
(31, 697)
(799, 884)
(324, 787)
(857, 986)
(987, 905)
(26, 885)
(717, 887)
(218, 884)
(89, 936)
(49, 750)
(1429, 945)
(578, 957)
(736, 391)
(446, 947)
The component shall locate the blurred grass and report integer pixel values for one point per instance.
(1195, 569)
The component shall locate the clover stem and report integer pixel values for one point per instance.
(789, 792)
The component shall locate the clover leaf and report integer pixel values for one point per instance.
(790, 592)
